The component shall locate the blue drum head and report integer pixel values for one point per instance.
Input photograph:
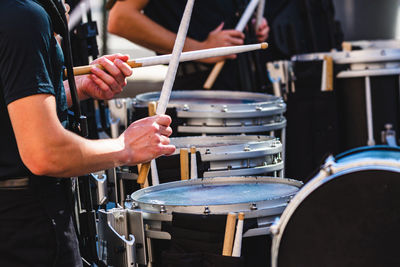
(218, 194)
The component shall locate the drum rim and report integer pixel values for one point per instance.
(271, 105)
(248, 144)
(349, 57)
(328, 173)
(195, 209)
(189, 93)
(365, 148)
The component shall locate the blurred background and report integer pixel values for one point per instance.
(360, 20)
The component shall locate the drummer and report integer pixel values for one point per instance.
(37, 152)
(212, 25)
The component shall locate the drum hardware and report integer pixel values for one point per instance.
(119, 114)
(389, 135)
(114, 248)
(100, 180)
(368, 104)
(282, 77)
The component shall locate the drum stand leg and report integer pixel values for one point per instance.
(283, 140)
(149, 249)
(368, 104)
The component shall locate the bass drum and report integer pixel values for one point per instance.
(347, 215)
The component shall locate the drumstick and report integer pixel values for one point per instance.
(184, 159)
(171, 72)
(229, 233)
(193, 163)
(239, 27)
(144, 168)
(260, 13)
(237, 247)
(185, 56)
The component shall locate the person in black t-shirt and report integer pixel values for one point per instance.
(154, 23)
(37, 151)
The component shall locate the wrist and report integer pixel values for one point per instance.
(123, 155)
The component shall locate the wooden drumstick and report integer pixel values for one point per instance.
(239, 27)
(229, 233)
(171, 72)
(184, 159)
(185, 56)
(237, 247)
(145, 167)
(193, 163)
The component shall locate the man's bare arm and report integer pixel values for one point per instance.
(46, 148)
(127, 20)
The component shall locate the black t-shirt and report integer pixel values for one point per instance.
(238, 74)
(206, 15)
(31, 62)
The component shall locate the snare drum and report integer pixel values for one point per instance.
(222, 156)
(347, 215)
(338, 101)
(262, 199)
(218, 112)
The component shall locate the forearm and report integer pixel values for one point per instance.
(130, 23)
(71, 155)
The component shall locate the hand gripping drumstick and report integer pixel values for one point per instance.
(154, 175)
(185, 56)
(229, 233)
(171, 72)
(239, 27)
(237, 246)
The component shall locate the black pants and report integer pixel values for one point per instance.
(36, 227)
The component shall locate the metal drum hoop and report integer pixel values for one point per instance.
(267, 207)
(266, 105)
(329, 171)
(229, 147)
(350, 57)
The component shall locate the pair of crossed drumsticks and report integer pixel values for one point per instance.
(177, 56)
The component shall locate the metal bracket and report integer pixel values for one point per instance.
(136, 227)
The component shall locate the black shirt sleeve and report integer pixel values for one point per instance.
(25, 66)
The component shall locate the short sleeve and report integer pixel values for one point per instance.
(25, 67)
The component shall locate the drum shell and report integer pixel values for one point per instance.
(218, 156)
(352, 213)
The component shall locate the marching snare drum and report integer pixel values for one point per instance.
(347, 215)
(262, 199)
(338, 101)
(222, 156)
(218, 112)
